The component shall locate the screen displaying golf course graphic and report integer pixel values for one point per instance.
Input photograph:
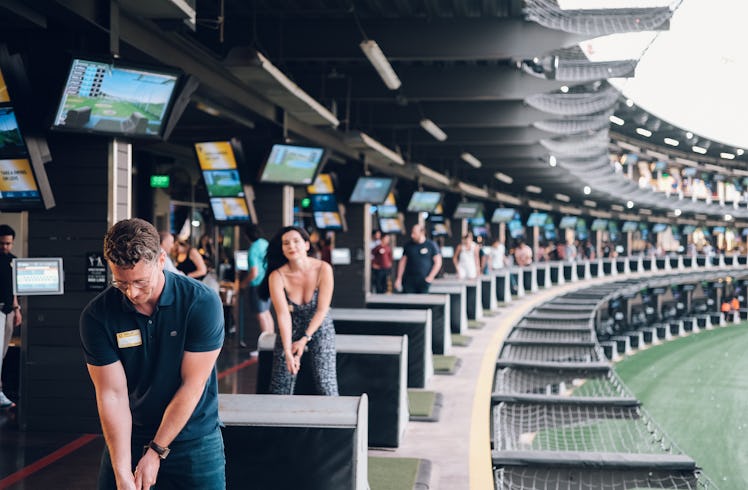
(229, 209)
(11, 142)
(103, 98)
(223, 183)
(295, 165)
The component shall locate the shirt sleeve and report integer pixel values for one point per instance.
(205, 323)
(99, 347)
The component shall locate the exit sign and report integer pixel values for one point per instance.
(159, 181)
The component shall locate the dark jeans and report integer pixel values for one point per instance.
(197, 464)
(415, 285)
(379, 278)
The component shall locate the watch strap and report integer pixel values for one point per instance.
(162, 452)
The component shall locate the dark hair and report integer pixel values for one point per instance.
(253, 232)
(130, 241)
(6, 230)
(274, 258)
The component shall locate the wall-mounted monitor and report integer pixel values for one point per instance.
(328, 220)
(340, 256)
(599, 224)
(447, 252)
(292, 165)
(115, 99)
(390, 225)
(480, 231)
(324, 202)
(230, 209)
(467, 210)
(629, 226)
(38, 276)
(372, 190)
(688, 229)
(216, 155)
(322, 185)
(503, 215)
(549, 231)
(223, 183)
(659, 227)
(241, 260)
(568, 222)
(11, 141)
(516, 229)
(387, 211)
(537, 219)
(19, 189)
(424, 202)
(718, 229)
(439, 229)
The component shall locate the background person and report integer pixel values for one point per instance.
(189, 261)
(522, 254)
(151, 342)
(10, 311)
(256, 274)
(381, 264)
(467, 258)
(167, 245)
(420, 263)
(300, 288)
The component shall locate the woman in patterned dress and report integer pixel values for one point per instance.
(300, 288)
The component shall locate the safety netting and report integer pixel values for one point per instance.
(551, 335)
(579, 382)
(512, 478)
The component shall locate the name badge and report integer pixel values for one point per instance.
(130, 338)
(424, 251)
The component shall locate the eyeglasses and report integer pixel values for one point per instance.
(139, 284)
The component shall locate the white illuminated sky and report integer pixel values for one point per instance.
(695, 75)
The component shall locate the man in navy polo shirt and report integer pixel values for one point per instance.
(420, 263)
(151, 342)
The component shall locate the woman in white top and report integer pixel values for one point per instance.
(467, 258)
(498, 255)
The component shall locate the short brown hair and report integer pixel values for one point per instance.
(131, 240)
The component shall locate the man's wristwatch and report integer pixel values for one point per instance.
(162, 452)
(308, 337)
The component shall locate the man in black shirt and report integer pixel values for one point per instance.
(10, 311)
(420, 263)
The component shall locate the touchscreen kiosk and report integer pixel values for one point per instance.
(38, 276)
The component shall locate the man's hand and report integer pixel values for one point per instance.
(147, 470)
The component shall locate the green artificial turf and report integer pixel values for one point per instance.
(421, 403)
(393, 473)
(445, 364)
(461, 340)
(696, 389)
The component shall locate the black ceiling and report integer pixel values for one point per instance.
(479, 69)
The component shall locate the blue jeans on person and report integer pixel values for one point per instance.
(197, 464)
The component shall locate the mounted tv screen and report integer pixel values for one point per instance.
(503, 215)
(11, 141)
(328, 220)
(439, 229)
(390, 225)
(629, 226)
(659, 227)
(4, 95)
(38, 276)
(688, 229)
(537, 219)
(516, 229)
(292, 165)
(241, 260)
(216, 155)
(718, 229)
(324, 202)
(372, 190)
(387, 211)
(568, 222)
(466, 210)
(322, 185)
(19, 189)
(599, 224)
(223, 183)
(230, 209)
(115, 99)
(424, 202)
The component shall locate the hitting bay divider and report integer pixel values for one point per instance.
(375, 365)
(457, 305)
(416, 324)
(561, 417)
(289, 442)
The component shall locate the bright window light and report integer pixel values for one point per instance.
(671, 142)
(644, 132)
(617, 120)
